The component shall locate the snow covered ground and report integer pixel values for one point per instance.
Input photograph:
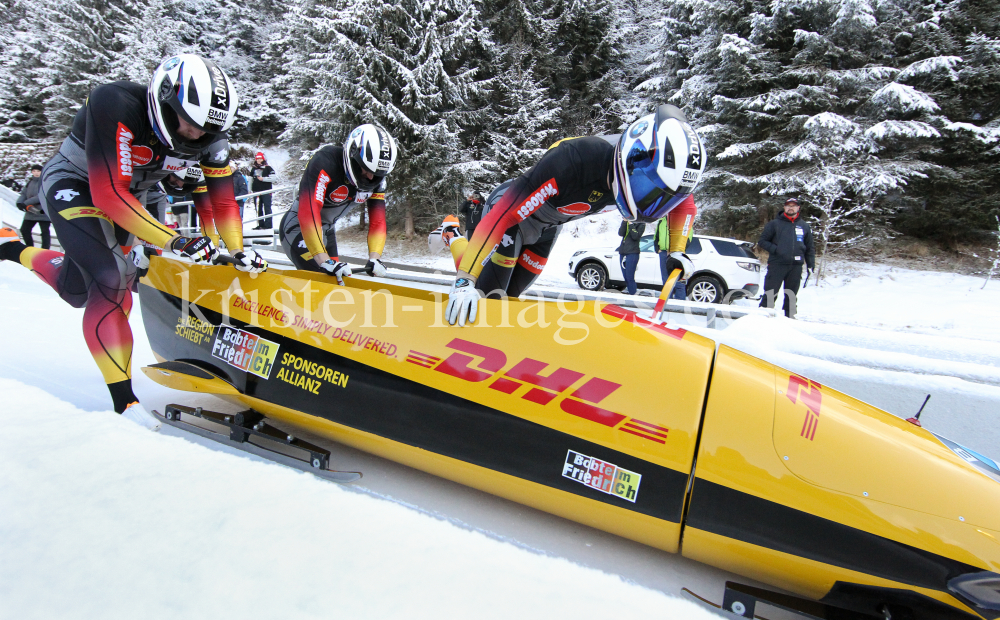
(99, 518)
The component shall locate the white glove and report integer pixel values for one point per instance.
(198, 249)
(336, 268)
(463, 302)
(137, 256)
(376, 268)
(680, 260)
(249, 261)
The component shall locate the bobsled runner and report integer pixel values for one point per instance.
(597, 414)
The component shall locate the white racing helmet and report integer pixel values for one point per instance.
(369, 148)
(658, 162)
(195, 89)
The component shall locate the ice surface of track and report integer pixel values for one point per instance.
(102, 519)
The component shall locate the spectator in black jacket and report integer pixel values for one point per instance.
(789, 243)
(29, 203)
(240, 187)
(263, 177)
(630, 233)
(472, 211)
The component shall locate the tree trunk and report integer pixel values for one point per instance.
(409, 232)
(362, 224)
(824, 238)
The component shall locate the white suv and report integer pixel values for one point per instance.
(724, 269)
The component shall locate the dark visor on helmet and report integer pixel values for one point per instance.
(652, 200)
(364, 183)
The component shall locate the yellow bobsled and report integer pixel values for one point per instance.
(594, 413)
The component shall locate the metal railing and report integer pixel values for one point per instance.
(714, 315)
(273, 242)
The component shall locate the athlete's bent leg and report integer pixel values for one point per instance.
(94, 262)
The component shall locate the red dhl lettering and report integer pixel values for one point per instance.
(537, 198)
(503, 261)
(542, 388)
(216, 172)
(75, 212)
(808, 393)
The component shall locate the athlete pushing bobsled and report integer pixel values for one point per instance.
(125, 139)
(337, 179)
(650, 173)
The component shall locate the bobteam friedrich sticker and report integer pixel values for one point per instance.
(245, 350)
(601, 475)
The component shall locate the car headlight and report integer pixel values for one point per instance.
(983, 588)
(748, 266)
(575, 254)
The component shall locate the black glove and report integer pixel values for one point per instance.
(249, 261)
(198, 249)
(679, 260)
(140, 258)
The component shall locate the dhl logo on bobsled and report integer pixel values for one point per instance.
(541, 389)
(807, 392)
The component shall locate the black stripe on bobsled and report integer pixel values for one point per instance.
(727, 512)
(389, 406)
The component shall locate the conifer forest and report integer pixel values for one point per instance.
(881, 116)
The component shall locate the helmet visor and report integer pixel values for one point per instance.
(363, 182)
(651, 200)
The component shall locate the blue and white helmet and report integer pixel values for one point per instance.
(658, 162)
(369, 148)
(190, 87)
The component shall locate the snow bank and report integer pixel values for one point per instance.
(102, 519)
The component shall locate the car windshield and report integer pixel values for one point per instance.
(694, 246)
(646, 244)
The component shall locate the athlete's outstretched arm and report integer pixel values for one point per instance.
(206, 214)
(679, 221)
(528, 192)
(219, 181)
(312, 189)
(376, 224)
(111, 124)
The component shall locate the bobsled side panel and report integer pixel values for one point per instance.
(629, 524)
(745, 492)
(610, 419)
(583, 371)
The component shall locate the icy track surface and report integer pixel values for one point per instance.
(102, 519)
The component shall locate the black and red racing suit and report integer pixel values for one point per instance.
(94, 191)
(511, 244)
(325, 195)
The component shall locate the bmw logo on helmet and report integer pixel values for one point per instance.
(638, 128)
